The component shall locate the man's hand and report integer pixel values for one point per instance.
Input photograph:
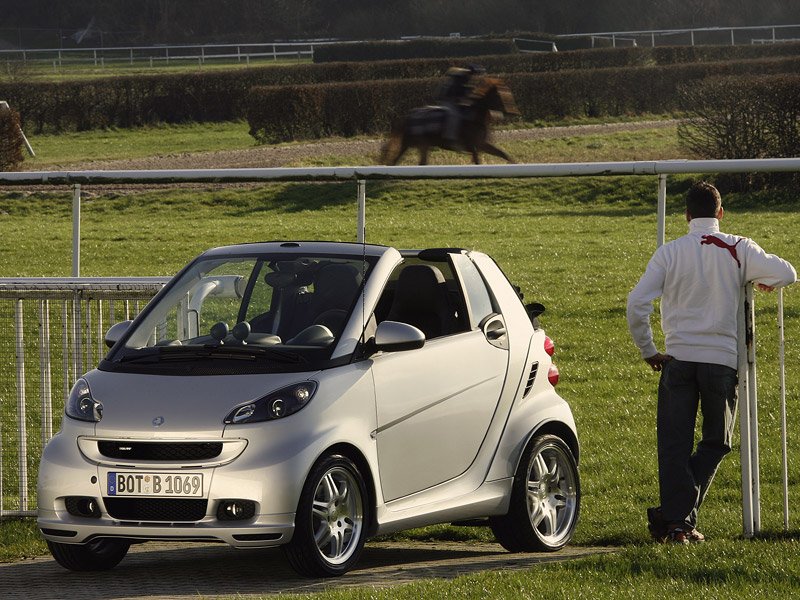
(657, 361)
(765, 288)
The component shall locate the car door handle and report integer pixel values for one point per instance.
(496, 334)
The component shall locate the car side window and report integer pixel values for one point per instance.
(425, 294)
(479, 301)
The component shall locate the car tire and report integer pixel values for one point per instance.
(99, 555)
(545, 499)
(331, 521)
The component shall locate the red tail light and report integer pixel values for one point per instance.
(549, 346)
(552, 375)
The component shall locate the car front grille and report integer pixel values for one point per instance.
(161, 451)
(156, 509)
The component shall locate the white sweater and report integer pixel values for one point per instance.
(700, 278)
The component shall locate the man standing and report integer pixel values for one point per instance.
(700, 278)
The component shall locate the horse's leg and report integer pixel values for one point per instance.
(399, 155)
(476, 159)
(494, 150)
(423, 154)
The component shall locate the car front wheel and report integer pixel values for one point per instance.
(545, 499)
(99, 555)
(331, 521)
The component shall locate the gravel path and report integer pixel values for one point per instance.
(284, 155)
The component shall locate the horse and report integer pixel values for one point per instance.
(423, 127)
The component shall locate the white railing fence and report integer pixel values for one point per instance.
(160, 55)
(52, 331)
(767, 34)
(17, 488)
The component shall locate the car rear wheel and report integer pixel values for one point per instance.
(99, 555)
(545, 499)
(331, 521)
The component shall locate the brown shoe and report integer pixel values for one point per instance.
(677, 535)
(695, 536)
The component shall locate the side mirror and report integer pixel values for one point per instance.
(392, 336)
(115, 333)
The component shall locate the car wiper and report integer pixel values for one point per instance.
(167, 353)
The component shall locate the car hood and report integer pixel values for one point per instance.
(160, 406)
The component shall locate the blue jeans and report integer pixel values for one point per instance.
(684, 476)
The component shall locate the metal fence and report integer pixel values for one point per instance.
(81, 326)
(160, 55)
(761, 34)
(51, 331)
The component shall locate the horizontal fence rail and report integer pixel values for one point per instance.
(162, 54)
(51, 331)
(692, 36)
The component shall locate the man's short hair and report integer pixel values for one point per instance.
(703, 200)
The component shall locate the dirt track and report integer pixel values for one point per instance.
(156, 571)
(287, 155)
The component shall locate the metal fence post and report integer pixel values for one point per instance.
(22, 441)
(752, 382)
(361, 235)
(782, 383)
(45, 377)
(76, 230)
(744, 420)
(748, 416)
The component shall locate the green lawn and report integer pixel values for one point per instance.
(87, 69)
(578, 245)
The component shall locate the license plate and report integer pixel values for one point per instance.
(177, 485)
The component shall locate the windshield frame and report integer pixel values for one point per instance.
(282, 357)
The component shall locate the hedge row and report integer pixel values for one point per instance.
(310, 111)
(406, 49)
(10, 140)
(222, 95)
(729, 120)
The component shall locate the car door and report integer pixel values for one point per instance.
(434, 404)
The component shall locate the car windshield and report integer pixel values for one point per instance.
(284, 307)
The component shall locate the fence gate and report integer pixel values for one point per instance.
(54, 329)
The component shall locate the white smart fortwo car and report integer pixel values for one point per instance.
(310, 395)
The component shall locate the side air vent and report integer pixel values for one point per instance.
(531, 379)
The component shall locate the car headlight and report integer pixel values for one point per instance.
(80, 404)
(275, 405)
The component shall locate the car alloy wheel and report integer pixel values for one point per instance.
(545, 499)
(330, 526)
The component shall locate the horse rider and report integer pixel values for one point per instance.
(453, 96)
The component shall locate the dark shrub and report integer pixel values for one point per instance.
(405, 49)
(11, 141)
(743, 116)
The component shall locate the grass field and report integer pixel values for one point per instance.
(578, 245)
(51, 70)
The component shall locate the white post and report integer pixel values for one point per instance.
(662, 209)
(784, 441)
(22, 442)
(45, 376)
(752, 384)
(76, 230)
(361, 234)
(744, 420)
